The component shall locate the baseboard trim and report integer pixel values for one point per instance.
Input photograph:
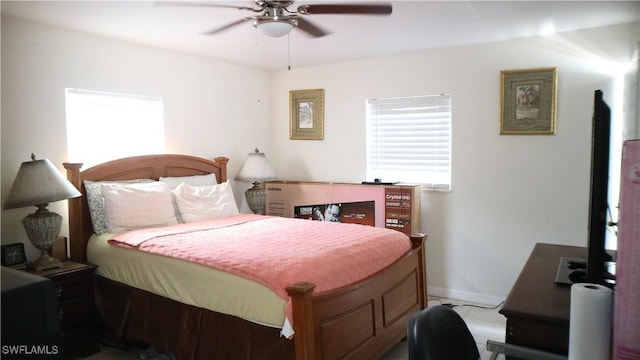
(464, 296)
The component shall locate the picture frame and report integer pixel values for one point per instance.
(306, 114)
(528, 101)
(13, 256)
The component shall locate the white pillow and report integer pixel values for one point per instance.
(195, 180)
(198, 203)
(136, 206)
(95, 200)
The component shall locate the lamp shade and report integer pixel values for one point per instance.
(256, 168)
(39, 182)
(275, 27)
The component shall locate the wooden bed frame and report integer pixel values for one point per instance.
(362, 321)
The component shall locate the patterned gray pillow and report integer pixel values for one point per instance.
(95, 201)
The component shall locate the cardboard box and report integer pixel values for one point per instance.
(626, 313)
(392, 206)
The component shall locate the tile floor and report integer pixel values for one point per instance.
(484, 323)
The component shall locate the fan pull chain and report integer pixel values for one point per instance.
(289, 51)
(258, 63)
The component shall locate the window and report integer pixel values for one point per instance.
(409, 140)
(104, 126)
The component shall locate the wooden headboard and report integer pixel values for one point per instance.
(137, 167)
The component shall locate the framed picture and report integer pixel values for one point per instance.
(528, 101)
(13, 256)
(306, 114)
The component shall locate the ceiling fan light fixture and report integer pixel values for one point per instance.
(275, 27)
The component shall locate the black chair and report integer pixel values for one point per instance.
(439, 333)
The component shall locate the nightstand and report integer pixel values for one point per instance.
(76, 307)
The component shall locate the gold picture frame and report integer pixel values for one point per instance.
(528, 101)
(306, 114)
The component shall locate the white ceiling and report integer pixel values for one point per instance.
(413, 25)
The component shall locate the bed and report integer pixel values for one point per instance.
(361, 320)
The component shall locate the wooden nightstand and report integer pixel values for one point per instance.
(76, 307)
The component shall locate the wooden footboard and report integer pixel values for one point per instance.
(363, 321)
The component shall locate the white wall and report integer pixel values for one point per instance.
(212, 108)
(508, 192)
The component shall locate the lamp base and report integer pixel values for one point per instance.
(45, 262)
(42, 228)
(256, 197)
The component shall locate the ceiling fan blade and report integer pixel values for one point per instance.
(310, 28)
(226, 27)
(202, 4)
(350, 9)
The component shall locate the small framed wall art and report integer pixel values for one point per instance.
(528, 101)
(306, 114)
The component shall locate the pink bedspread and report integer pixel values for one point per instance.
(276, 252)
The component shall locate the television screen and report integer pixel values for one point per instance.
(598, 204)
(593, 269)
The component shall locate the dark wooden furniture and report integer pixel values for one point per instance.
(76, 308)
(537, 309)
(29, 316)
(361, 321)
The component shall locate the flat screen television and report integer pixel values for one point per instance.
(596, 268)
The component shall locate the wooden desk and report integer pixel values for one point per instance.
(537, 309)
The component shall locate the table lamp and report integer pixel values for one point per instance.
(256, 169)
(39, 183)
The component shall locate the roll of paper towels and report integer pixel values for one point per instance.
(590, 322)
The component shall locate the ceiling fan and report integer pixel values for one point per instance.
(276, 19)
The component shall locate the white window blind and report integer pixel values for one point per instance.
(103, 126)
(409, 140)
